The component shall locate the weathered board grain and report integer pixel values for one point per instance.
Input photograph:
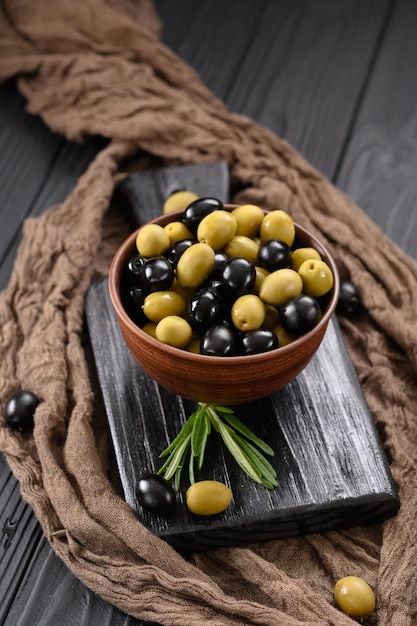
(380, 163)
(298, 67)
(331, 467)
(28, 157)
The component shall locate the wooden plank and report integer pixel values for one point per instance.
(50, 595)
(48, 165)
(142, 194)
(331, 467)
(379, 166)
(300, 71)
(213, 37)
(38, 169)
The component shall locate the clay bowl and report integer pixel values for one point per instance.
(222, 380)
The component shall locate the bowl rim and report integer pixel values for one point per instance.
(193, 357)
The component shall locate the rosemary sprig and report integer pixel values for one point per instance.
(246, 448)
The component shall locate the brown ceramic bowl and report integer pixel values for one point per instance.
(223, 380)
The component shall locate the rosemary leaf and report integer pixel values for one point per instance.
(244, 430)
(268, 472)
(185, 430)
(177, 458)
(199, 434)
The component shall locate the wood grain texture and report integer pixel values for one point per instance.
(330, 463)
(300, 70)
(38, 170)
(218, 39)
(331, 467)
(380, 163)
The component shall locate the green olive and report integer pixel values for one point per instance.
(261, 274)
(152, 240)
(194, 345)
(177, 231)
(160, 304)
(150, 329)
(280, 286)
(354, 597)
(284, 337)
(299, 255)
(271, 317)
(208, 497)
(178, 201)
(217, 229)
(174, 331)
(195, 265)
(248, 312)
(317, 277)
(278, 225)
(240, 245)
(249, 219)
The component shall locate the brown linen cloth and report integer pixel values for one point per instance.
(97, 67)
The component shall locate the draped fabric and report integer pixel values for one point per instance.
(97, 67)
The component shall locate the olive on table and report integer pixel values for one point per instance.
(349, 299)
(154, 493)
(354, 597)
(208, 497)
(178, 201)
(20, 410)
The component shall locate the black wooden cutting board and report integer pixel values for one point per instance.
(331, 466)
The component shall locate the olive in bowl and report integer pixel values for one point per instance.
(235, 376)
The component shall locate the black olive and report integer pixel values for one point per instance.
(239, 274)
(349, 300)
(157, 274)
(299, 315)
(218, 340)
(204, 310)
(220, 259)
(274, 255)
(259, 340)
(154, 493)
(198, 209)
(20, 410)
(134, 265)
(175, 252)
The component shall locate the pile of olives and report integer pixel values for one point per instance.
(225, 283)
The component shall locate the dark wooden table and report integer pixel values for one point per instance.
(336, 78)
